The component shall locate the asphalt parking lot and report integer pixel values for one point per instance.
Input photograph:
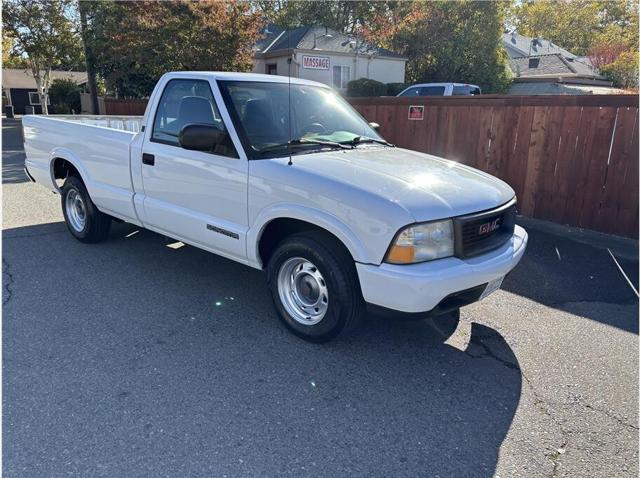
(131, 358)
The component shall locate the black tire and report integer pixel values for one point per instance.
(346, 306)
(96, 223)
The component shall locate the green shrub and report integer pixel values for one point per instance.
(64, 95)
(366, 87)
(394, 88)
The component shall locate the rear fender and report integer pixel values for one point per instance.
(68, 155)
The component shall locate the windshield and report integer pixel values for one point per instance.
(319, 117)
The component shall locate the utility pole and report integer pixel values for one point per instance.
(89, 58)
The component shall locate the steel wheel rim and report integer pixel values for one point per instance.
(303, 291)
(76, 211)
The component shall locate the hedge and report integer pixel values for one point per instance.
(366, 87)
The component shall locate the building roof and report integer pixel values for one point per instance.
(537, 57)
(20, 78)
(551, 65)
(548, 88)
(519, 45)
(318, 39)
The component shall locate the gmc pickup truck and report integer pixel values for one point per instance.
(281, 174)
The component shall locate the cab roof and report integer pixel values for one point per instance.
(235, 76)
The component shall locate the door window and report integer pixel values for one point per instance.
(183, 102)
(466, 90)
(431, 91)
(411, 92)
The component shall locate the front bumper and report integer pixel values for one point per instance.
(421, 287)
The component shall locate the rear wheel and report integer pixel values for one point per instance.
(314, 286)
(85, 222)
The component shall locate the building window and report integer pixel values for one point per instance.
(341, 76)
(272, 69)
(34, 99)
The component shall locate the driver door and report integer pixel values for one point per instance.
(197, 197)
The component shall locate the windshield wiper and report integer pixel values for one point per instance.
(366, 139)
(302, 142)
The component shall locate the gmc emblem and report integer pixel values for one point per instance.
(488, 227)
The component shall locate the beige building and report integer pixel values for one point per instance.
(327, 56)
(19, 87)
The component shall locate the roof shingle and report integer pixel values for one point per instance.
(320, 39)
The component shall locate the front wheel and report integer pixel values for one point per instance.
(314, 286)
(85, 222)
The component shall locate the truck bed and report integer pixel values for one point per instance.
(122, 123)
(97, 146)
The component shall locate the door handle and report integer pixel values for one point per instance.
(149, 159)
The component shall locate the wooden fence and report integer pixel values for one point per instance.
(122, 107)
(570, 159)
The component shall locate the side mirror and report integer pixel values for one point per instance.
(201, 137)
(375, 126)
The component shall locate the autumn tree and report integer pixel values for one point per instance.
(446, 41)
(44, 35)
(602, 54)
(134, 43)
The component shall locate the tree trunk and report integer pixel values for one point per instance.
(89, 58)
(35, 71)
(44, 98)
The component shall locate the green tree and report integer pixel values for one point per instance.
(343, 16)
(447, 41)
(134, 43)
(577, 25)
(623, 71)
(65, 96)
(44, 33)
(9, 58)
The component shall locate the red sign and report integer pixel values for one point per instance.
(315, 62)
(416, 112)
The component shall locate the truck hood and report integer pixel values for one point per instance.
(427, 186)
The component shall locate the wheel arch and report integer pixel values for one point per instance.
(62, 160)
(284, 221)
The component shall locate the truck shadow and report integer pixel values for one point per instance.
(12, 152)
(568, 275)
(181, 354)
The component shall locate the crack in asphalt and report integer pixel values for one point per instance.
(490, 353)
(539, 402)
(7, 283)
(611, 415)
(542, 404)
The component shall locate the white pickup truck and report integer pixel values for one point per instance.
(283, 175)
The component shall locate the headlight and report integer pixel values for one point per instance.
(422, 242)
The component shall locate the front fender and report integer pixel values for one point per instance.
(314, 216)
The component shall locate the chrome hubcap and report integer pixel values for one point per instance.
(303, 291)
(76, 212)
